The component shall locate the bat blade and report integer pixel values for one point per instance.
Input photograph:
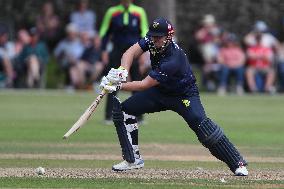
(85, 116)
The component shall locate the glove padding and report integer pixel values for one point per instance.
(108, 86)
(112, 88)
(117, 75)
(104, 82)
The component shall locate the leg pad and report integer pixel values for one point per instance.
(123, 135)
(213, 138)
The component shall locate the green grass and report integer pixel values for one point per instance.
(33, 122)
(128, 183)
(43, 117)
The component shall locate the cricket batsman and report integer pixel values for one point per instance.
(170, 85)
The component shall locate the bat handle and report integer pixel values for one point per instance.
(103, 92)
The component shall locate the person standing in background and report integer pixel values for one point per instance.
(48, 25)
(84, 18)
(124, 25)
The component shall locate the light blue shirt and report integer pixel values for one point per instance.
(72, 49)
(84, 21)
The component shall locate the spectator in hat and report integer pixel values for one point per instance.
(260, 73)
(267, 39)
(208, 38)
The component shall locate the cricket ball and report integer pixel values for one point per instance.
(40, 170)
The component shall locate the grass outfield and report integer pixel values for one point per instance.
(33, 123)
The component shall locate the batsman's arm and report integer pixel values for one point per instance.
(139, 85)
(132, 53)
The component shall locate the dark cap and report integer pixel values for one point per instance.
(160, 27)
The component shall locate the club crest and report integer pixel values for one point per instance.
(155, 24)
(186, 102)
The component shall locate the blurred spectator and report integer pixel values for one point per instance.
(68, 52)
(48, 25)
(280, 67)
(84, 18)
(232, 60)
(7, 53)
(208, 38)
(267, 39)
(33, 59)
(23, 38)
(260, 73)
(90, 65)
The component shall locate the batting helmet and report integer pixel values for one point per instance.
(160, 27)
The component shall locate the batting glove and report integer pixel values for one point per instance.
(108, 86)
(112, 88)
(104, 82)
(117, 75)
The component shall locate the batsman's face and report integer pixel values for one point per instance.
(159, 41)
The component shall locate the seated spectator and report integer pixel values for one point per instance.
(208, 38)
(48, 25)
(33, 59)
(260, 28)
(68, 52)
(23, 38)
(90, 65)
(7, 53)
(267, 39)
(84, 18)
(260, 73)
(232, 60)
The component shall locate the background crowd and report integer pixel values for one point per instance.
(229, 62)
(253, 62)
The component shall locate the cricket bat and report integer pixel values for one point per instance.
(85, 116)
